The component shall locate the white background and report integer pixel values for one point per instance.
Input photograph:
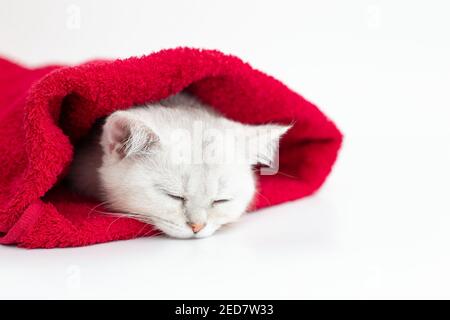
(379, 228)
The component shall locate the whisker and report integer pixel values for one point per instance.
(137, 234)
(145, 218)
(115, 220)
(287, 175)
(263, 196)
(153, 235)
(123, 214)
(95, 207)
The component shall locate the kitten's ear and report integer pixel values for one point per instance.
(264, 141)
(124, 135)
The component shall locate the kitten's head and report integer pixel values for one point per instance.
(162, 167)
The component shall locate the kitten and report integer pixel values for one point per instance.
(174, 164)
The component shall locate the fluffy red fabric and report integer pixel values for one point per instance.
(45, 111)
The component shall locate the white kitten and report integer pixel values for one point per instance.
(175, 164)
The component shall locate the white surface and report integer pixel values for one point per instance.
(380, 226)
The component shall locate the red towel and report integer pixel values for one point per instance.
(45, 111)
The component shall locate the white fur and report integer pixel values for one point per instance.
(132, 165)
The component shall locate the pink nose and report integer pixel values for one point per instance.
(196, 227)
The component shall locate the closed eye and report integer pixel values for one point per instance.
(176, 197)
(219, 201)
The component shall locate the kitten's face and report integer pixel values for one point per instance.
(175, 198)
(186, 199)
